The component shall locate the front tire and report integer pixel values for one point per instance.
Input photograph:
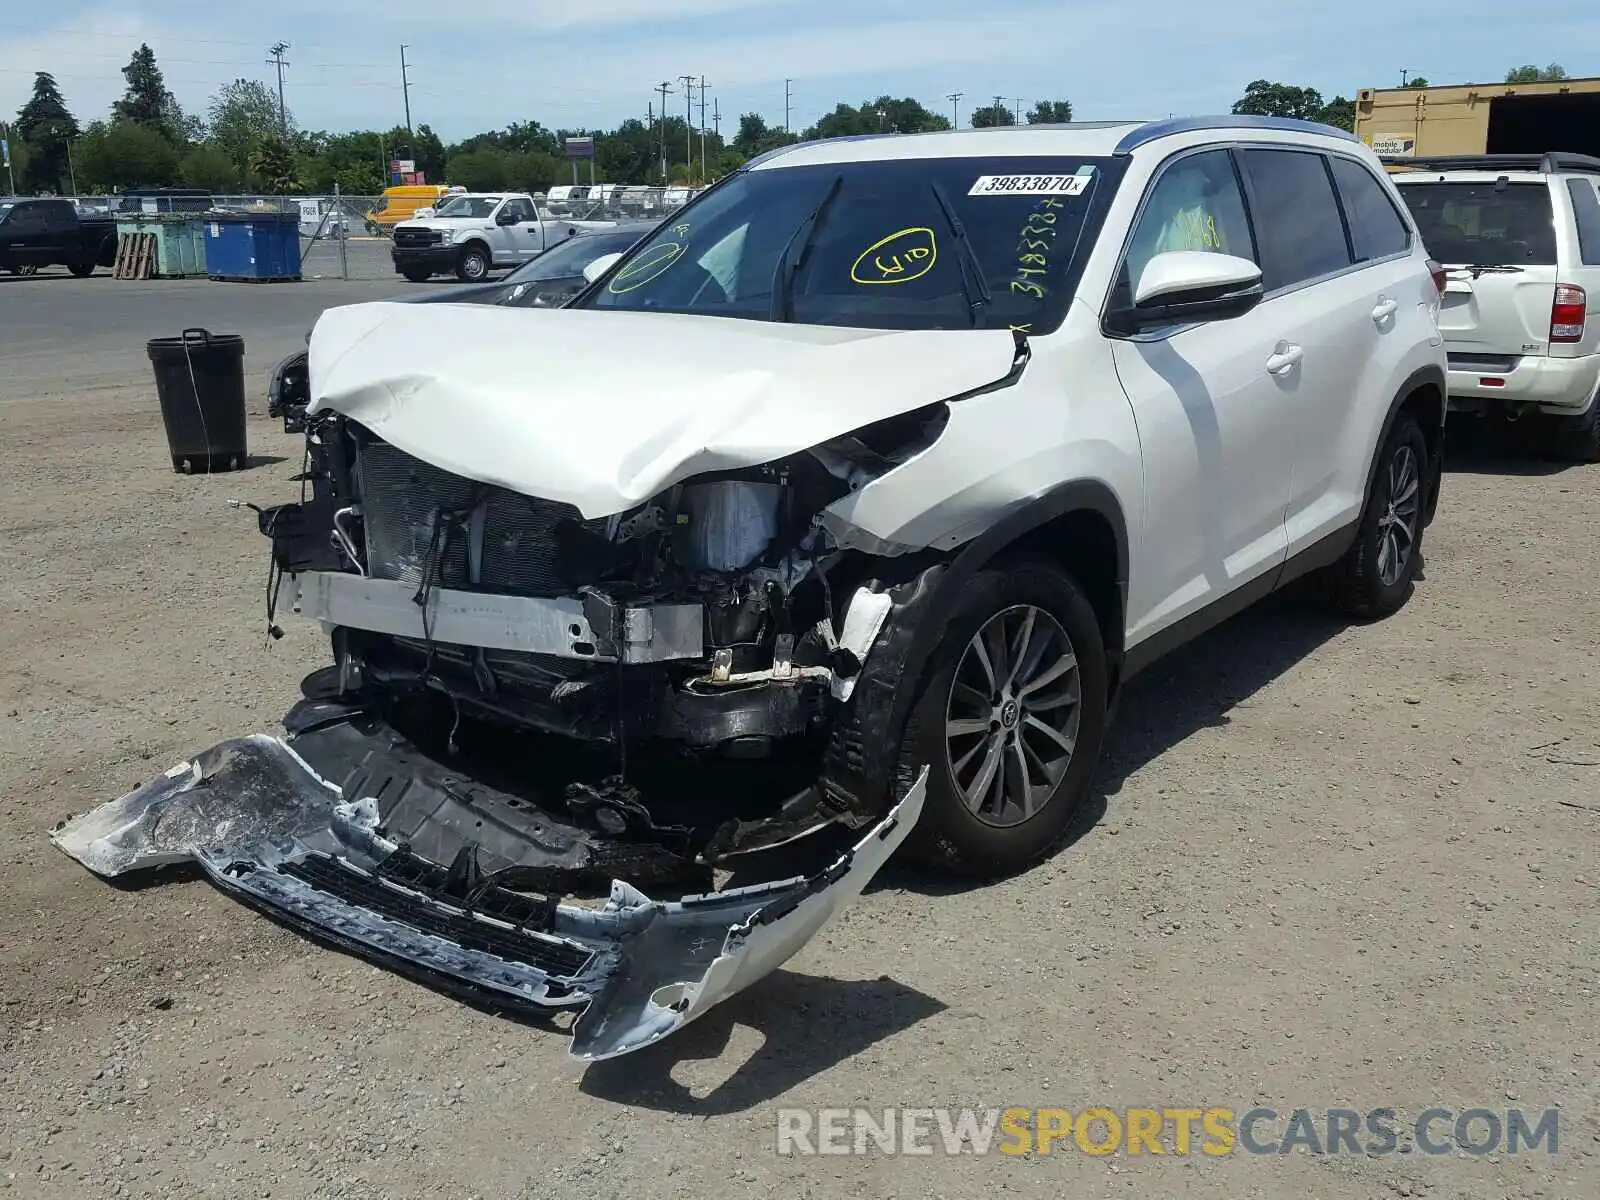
(1009, 722)
(1377, 574)
(416, 274)
(473, 265)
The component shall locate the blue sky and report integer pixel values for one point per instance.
(483, 63)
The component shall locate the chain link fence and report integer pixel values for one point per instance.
(342, 237)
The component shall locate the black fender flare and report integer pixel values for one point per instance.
(860, 759)
(1430, 376)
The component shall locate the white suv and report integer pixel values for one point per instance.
(849, 497)
(1520, 236)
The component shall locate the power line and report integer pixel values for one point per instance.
(405, 85)
(702, 129)
(277, 60)
(688, 123)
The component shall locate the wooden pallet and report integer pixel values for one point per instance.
(136, 256)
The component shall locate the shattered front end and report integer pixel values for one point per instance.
(549, 703)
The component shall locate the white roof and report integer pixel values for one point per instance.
(1093, 140)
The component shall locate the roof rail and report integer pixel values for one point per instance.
(1547, 162)
(1160, 129)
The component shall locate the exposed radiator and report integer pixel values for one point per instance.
(492, 539)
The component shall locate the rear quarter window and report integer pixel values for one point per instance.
(1377, 230)
(1488, 224)
(1586, 208)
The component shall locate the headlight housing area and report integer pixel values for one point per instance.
(445, 236)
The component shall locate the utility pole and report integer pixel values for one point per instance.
(72, 173)
(277, 60)
(1019, 119)
(6, 133)
(998, 105)
(716, 117)
(955, 106)
(702, 130)
(1403, 74)
(664, 88)
(688, 124)
(787, 96)
(405, 88)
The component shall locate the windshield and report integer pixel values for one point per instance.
(945, 243)
(566, 260)
(1484, 224)
(478, 208)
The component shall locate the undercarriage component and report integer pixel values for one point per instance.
(445, 880)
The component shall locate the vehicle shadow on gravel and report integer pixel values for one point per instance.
(787, 1010)
(1477, 447)
(1194, 688)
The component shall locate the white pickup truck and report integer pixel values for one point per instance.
(475, 233)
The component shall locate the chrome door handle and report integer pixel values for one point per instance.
(1285, 360)
(1385, 309)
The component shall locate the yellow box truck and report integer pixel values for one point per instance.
(1481, 118)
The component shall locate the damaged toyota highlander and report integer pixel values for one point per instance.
(830, 517)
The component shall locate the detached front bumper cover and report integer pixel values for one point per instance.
(266, 828)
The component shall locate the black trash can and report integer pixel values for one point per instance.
(200, 380)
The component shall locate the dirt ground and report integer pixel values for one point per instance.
(1329, 866)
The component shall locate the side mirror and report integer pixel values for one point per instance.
(1181, 286)
(599, 267)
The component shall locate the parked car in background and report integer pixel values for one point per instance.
(399, 204)
(49, 232)
(1519, 235)
(473, 234)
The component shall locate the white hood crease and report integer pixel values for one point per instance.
(604, 410)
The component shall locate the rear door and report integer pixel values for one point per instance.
(1497, 236)
(25, 235)
(62, 234)
(1377, 315)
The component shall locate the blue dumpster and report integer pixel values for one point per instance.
(253, 246)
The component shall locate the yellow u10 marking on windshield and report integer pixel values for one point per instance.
(652, 264)
(903, 256)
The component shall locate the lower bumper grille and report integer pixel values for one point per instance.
(558, 959)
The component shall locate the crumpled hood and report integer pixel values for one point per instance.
(603, 410)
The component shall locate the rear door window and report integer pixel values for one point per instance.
(1377, 229)
(1491, 224)
(1297, 218)
(1586, 207)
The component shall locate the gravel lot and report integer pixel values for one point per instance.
(1331, 866)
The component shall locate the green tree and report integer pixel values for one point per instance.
(1418, 82)
(883, 115)
(428, 151)
(147, 101)
(992, 116)
(481, 170)
(1050, 112)
(1264, 99)
(125, 154)
(272, 165)
(755, 136)
(241, 114)
(1533, 74)
(45, 126)
(1340, 113)
(206, 166)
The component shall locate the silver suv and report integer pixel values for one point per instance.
(1520, 236)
